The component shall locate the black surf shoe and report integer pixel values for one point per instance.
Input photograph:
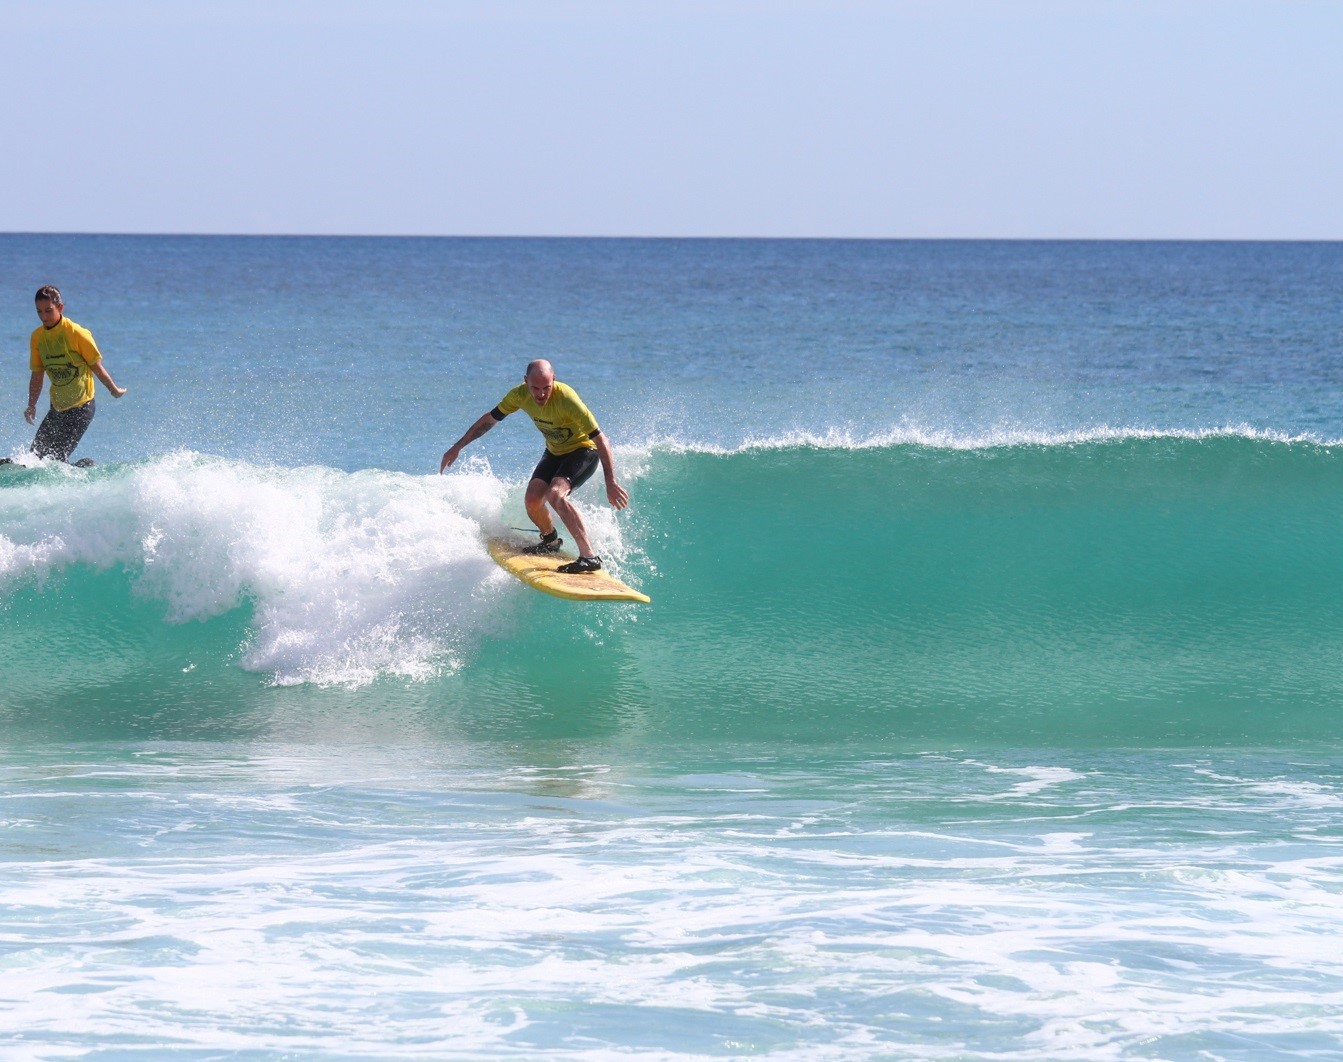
(550, 543)
(582, 566)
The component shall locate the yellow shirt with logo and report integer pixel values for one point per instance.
(563, 420)
(65, 351)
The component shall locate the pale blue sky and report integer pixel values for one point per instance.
(869, 118)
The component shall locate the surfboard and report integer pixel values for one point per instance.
(539, 571)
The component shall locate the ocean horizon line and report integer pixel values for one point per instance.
(699, 238)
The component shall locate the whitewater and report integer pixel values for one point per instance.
(987, 705)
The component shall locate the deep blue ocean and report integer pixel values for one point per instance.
(987, 706)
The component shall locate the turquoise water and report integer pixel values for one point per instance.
(987, 705)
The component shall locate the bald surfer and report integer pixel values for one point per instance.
(574, 445)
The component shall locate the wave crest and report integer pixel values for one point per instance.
(1004, 437)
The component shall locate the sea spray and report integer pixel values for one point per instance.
(347, 576)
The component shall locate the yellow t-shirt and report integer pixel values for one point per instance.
(563, 420)
(65, 351)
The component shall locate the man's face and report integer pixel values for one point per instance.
(541, 384)
(49, 312)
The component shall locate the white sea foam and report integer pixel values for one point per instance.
(1037, 779)
(456, 913)
(1285, 791)
(349, 575)
(990, 438)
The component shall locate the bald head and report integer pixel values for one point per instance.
(540, 377)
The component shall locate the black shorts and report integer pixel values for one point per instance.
(60, 431)
(576, 467)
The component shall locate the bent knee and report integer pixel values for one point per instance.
(558, 494)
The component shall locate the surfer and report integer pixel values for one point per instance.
(574, 445)
(66, 352)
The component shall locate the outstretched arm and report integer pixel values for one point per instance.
(34, 393)
(106, 377)
(615, 493)
(473, 433)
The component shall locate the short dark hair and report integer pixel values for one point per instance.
(51, 293)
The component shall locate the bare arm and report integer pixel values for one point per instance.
(97, 369)
(615, 493)
(34, 393)
(473, 433)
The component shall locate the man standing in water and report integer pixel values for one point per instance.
(574, 444)
(67, 353)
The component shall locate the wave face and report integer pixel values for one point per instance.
(1137, 590)
(1126, 589)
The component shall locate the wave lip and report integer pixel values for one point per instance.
(998, 438)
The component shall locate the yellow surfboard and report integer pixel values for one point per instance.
(539, 572)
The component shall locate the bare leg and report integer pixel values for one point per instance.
(535, 500)
(557, 497)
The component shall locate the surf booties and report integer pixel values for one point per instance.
(582, 566)
(550, 543)
(83, 462)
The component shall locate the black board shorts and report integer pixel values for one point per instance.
(61, 429)
(576, 467)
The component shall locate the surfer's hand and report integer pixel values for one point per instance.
(617, 495)
(30, 414)
(448, 458)
(117, 392)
